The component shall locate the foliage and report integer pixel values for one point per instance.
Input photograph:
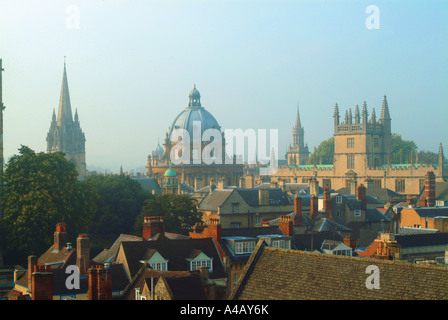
(401, 150)
(40, 190)
(179, 213)
(120, 201)
(324, 153)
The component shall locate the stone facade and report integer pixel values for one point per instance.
(361, 156)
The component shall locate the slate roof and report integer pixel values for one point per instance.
(276, 196)
(149, 184)
(184, 285)
(432, 211)
(324, 224)
(108, 255)
(175, 251)
(313, 241)
(214, 199)
(250, 232)
(375, 215)
(422, 240)
(382, 194)
(268, 274)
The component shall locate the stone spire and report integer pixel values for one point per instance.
(65, 109)
(365, 115)
(336, 116)
(298, 123)
(373, 118)
(385, 109)
(357, 116)
(350, 117)
(441, 157)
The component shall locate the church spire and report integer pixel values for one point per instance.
(298, 123)
(65, 109)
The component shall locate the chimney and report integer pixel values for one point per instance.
(314, 187)
(327, 204)
(32, 261)
(361, 195)
(409, 200)
(282, 185)
(264, 223)
(285, 225)
(263, 196)
(198, 228)
(100, 283)
(314, 209)
(83, 253)
(423, 201)
(249, 183)
(42, 283)
(152, 225)
(220, 183)
(60, 236)
(214, 228)
(348, 241)
(298, 205)
(430, 188)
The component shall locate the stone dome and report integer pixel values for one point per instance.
(194, 112)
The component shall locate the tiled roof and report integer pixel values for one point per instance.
(313, 241)
(175, 251)
(382, 194)
(281, 274)
(422, 240)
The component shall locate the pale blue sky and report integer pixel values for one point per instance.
(132, 64)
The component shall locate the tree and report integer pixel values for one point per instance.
(324, 153)
(179, 213)
(41, 190)
(120, 201)
(402, 150)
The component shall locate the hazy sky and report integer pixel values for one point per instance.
(132, 64)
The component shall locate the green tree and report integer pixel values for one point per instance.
(324, 153)
(179, 213)
(120, 201)
(402, 150)
(40, 190)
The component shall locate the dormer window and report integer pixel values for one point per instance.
(157, 262)
(244, 247)
(201, 260)
(338, 199)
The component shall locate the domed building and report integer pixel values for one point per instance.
(193, 171)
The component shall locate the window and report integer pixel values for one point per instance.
(235, 225)
(350, 161)
(377, 183)
(440, 259)
(357, 213)
(195, 264)
(235, 279)
(257, 220)
(350, 143)
(235, 207)
(376, 142)
(400, 185)
(339, 213)
(244, 247)
(284, 244)
(160, 266)
(338, 199)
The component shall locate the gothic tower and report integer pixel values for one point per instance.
(361, 142)
(298, 152)
(65, 134)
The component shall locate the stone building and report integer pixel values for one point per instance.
(65, 134)
(196, 171)
(362, 156)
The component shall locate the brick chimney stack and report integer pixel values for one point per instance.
(214, 228)
(152, 225)
(286, 225)
(100, 283)
(362, 195)
(32, 262)
(298, 217)
(42, 283)
(430, 188)
(423, 201)
(83, 253)
(327, 203)
(60, 236)
(314, 208)
(349, 241)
